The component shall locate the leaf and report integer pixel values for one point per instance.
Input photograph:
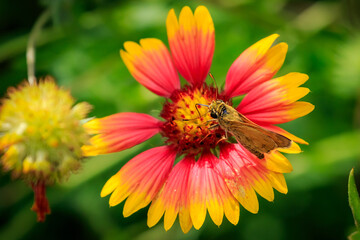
(354, 199)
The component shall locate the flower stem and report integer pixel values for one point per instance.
(30, 50)
(41, 204)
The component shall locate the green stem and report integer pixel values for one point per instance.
(30, 50)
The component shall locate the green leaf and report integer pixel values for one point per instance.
(354, 199)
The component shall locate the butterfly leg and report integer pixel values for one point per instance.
(205, 137)
(214, 126)
(223, 137)
(211, 127)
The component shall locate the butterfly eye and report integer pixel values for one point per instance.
(213, 115)
(224, 111)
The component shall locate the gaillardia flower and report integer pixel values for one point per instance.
(41, 136)
(200, 181)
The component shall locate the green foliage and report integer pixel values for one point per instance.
(81, 51)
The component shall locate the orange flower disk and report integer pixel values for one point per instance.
(200, 182)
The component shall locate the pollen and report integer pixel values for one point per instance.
(188, 125)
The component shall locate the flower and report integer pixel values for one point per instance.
(41, 136)
(200, 181)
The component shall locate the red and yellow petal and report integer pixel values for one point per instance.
(119, 131)
(208, 191)
(274, 101)
(140, 179)
(255, 65)
(151, 65)
(173, 199)
(281, 114)
(192, 42)
(275, 92)
(245, 174)
(194, 187)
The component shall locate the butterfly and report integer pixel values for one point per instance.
(250, 135)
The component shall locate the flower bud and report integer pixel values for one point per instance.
(41, 136)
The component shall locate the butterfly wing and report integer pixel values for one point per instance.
(257, 139)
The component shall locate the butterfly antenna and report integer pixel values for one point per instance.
(212, 77)
(197, 104)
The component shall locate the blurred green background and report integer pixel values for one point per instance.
(80, 48)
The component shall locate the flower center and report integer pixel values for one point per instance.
(189, 126)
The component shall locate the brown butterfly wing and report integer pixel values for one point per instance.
(252, 139)
(256, 139)
(280, 140)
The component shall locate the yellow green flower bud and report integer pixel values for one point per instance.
(41, 135)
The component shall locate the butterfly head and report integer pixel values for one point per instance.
(217, 108)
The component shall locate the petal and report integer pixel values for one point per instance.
(244, 172)
(280, 114)
(255, 65)
(286, 134)
(197, 193)
(208, 190)
(173, 199)
(185, 220)
(192, 42)
(276, 162)
(278, 182)
(231, 166)
(119, 131)
(274, 101)
(151, 65)
(276, 92)
(294, 148)
(140, 179)
(232, 209)
(156, 211)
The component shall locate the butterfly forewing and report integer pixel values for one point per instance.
(256, 139)
(251, 138)
(280, 140)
